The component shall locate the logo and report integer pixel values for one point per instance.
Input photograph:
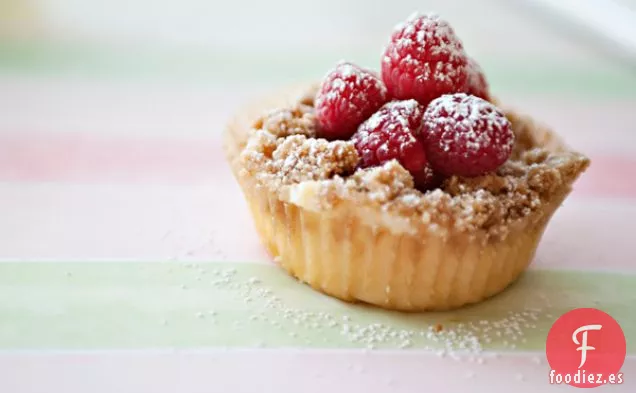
(586, 348)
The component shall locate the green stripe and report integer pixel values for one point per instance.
(74, 305)
(223, 68)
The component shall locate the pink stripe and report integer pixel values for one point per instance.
(81, 158)
(608, 176)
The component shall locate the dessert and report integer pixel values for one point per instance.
(412, 189)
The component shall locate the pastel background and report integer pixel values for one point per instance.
(128, 261)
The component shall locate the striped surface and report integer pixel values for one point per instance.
(128, 261)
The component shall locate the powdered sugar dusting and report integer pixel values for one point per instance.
(346, 77)
(294, 159)
(382, 183)
(296, 120)
(426, 49)
(474, 123)
(409, 106)
(392, 133)
(347, 70)
(339, 85)
(348, 95)
(392, 115)
(466, 135)
(462, 337)
(395, 123)
(441, 37)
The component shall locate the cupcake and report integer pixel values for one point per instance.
(409, 189)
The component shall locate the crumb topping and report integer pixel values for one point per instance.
(279, 161)
(537, 172)
(297, 120)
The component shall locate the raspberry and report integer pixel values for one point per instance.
(392, 133)
(477, 85)
(465, 135)
(424, 60)
(348, 96)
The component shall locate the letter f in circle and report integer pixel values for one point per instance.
(583, 344)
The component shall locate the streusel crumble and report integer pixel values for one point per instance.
(491, 202)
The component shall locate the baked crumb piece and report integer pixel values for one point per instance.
(291, 160)
(297, 120)
(299, 158)
(309, 97)
(383, 183)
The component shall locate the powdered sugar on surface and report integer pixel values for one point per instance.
(391, 133)
(348, 77)
(294, 159)
(296, 120)
(469, 122)
(427, 46)
(461, 337)
(348, 95)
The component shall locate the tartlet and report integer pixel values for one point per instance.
(367, 234)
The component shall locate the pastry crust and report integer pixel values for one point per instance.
(368, 235)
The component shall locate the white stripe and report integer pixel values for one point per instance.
(609, 19)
